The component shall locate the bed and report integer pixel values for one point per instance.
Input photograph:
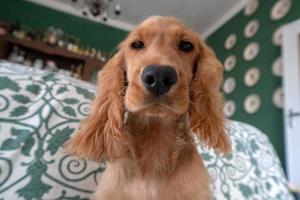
(40, 110)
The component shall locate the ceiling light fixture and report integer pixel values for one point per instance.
(105, 9)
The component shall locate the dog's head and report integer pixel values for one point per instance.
(162, 68)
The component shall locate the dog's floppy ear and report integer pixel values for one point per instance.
(206, 114)
(101, 133)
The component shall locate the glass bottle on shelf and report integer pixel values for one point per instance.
(14, 55)
(78, 71)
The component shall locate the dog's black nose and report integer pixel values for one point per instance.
(159, 79)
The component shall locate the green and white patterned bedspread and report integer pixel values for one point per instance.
(40, 110)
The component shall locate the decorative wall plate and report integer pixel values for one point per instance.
(251, 51)
(252, 76)
(229, 85)
(280, 9)
(252, 103)
(230, 63)
(229, 108)
(251, 28)
(277, 67)
(251, 7)
(278, 98)
(230, 41)
(277, 37)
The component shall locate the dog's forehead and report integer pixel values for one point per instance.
(161, 21)
(166, 26)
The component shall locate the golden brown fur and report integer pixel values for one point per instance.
(151, 154)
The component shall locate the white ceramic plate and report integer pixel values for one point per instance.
(252, 76)
(230, 41)
(251, 51)
(277, 37)
(230, 63)
(280, 9)
(251, 7)
(229, 108)
(252, 103)
(277, 67)
(251, 28)
(229, 85)
(278, 98)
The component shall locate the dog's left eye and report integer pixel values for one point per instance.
(137, 45)
(185, 46)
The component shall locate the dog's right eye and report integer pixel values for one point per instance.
(137, 45)
(185, 46)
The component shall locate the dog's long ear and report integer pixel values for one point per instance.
(206, 114)
(101, 133)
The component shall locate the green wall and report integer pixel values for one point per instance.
(39, 18)
(268, 118)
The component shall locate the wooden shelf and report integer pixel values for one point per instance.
(89, 64)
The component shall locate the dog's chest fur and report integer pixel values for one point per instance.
(125, 178)
(154, 162)
(141, 188)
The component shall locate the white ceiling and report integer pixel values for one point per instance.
(204, 16)
(198, 14)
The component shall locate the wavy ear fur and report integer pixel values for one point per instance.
(101, 132)
(206, 114)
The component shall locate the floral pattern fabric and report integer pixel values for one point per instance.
(40, 110)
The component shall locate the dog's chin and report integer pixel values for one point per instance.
(156, 110)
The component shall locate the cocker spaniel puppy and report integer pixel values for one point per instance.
(167, 82)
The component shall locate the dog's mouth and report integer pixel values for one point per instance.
(160, 108)
(150, 105)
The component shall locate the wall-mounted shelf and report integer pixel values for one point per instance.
(58, 54)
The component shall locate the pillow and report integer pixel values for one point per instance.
(252, 171)
(40, 110)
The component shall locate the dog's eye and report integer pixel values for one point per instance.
(137, 45)
(185, 46)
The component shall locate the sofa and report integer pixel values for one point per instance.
(39, 112)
